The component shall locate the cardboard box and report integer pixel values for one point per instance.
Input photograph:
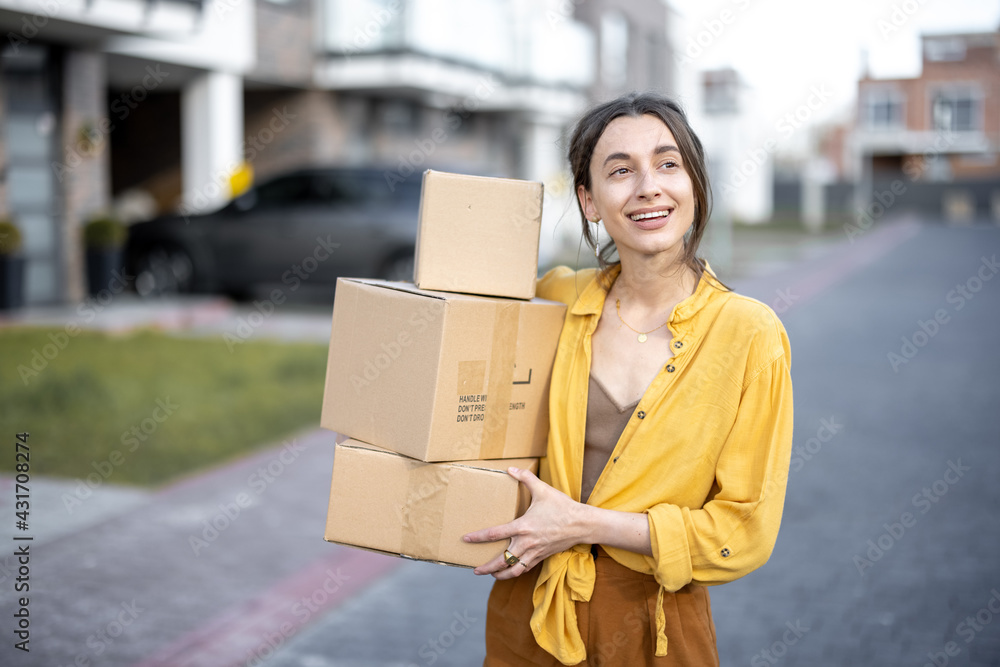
(478, 235)
(439, 376)
(387, 502)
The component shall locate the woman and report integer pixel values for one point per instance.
(670, 422)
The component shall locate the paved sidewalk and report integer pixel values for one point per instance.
(178, 559)
(186, 315)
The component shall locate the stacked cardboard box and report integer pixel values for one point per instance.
(388, 502)
(478, 235)
(441, 390)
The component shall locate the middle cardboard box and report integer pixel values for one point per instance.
(439, 376)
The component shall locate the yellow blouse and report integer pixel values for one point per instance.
(705, 454)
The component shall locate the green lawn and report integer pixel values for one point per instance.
(146, 408)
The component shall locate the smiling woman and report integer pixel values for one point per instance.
(670, 414)
(658, 144)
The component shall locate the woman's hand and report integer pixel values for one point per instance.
(553, 523)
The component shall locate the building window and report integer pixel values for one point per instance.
(883, 109)
(614, 49)
(951, 49)
(956, 111)
(722, 88)
(658, 66)
(400, 116)
(362, 26)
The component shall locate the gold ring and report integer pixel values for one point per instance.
(510, 558)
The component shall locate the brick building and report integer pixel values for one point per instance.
(940, 130)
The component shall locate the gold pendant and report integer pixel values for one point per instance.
(642, 338)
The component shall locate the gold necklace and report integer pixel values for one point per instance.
(642, 334)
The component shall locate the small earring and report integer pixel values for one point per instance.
(597, 238)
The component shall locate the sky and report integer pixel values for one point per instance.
(783, 48)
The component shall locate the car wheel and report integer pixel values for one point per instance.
(164, 270)
(399, 266)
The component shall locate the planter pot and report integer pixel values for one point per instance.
(11, 282)
(103, 264)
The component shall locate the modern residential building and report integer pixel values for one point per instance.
(740, 150)
(158, 106)
(940, 130)
(73, 75)
(632, 46)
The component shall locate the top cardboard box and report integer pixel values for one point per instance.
(478, 235)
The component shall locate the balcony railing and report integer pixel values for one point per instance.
(115, 18)
(197, 4)
(531, 49)
(923, 141)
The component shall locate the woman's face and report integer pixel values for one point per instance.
(639, 187)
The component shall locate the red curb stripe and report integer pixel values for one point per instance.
(855, 257)
(251, 632)
(805, 281)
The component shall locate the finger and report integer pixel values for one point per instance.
(492, 567)
(511, 572)
(528, 478)
(493, 534)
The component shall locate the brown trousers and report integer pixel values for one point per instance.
(618, 625)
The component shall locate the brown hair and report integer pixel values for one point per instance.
(588, 131)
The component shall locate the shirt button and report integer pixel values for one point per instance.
(641, 414)
(725, 553)
(670, 368)
(678, 345)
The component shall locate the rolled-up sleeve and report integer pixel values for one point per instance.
(734, 532)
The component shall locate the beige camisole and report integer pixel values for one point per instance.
(605, 422)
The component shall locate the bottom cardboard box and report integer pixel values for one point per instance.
(387, 502)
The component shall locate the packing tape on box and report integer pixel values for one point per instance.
(498, 389)
(426, 494)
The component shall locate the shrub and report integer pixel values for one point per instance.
(10, 238)
(105, 233)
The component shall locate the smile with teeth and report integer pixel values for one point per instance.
(646, 216)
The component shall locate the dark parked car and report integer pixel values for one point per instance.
(297, 232)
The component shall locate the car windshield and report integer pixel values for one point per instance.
(338, 188)
(285, 190)
(364, 186)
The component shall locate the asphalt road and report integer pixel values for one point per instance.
(888, 552)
